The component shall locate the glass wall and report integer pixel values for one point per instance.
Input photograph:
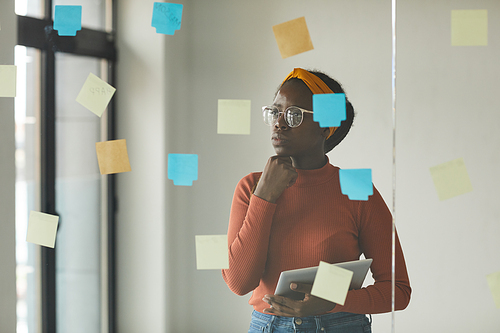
(78, 198)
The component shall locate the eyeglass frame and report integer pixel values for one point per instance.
(283, 112)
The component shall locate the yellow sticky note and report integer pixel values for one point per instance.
(469, 27)
(211, 252)
(42, 229)
(494, 284)
(233, 116)
(292, 37)
(112, 156)
(95, 94)
(332, 283)
(8, 75)
(451, 179)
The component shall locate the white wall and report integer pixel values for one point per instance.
(448, 108)
(167, 103)
(8, 35)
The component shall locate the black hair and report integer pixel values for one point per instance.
(345, 125)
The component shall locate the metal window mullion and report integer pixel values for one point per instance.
(112, 208)
(47, 188)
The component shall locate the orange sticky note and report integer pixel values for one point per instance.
(112, 156)
(293, 37)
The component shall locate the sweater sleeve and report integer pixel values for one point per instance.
(375, 240)
(248, 237)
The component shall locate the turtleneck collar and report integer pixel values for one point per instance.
(315, 177)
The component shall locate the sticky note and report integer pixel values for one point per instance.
(167, 17)
(292, 37)
(469, 27)
(95, 94)
(183, 168)
(8, 75)
(356, 183)
(494, 284)
(67, 20)
(451, 179)
(233, 116)
(42, 229)
(331, 283)
(112, 156)
(211, 252)
(329, 109)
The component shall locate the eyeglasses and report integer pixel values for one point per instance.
(293, 115)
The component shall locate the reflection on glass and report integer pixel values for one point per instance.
(78, 200)
(27, 184)
(33, 8)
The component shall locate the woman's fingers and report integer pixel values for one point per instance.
(278, 175)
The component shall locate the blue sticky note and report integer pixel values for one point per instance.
(167, 17)
(356, 183)
(183, 168)
(329, 109)
(67, 20)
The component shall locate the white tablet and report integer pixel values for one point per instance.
(307, 275)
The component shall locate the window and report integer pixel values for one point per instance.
(70, 287)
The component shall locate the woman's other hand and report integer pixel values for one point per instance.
(309, 306)
(278, 175)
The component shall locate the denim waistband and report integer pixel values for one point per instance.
(326, 320)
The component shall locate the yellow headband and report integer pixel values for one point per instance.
(314, 83)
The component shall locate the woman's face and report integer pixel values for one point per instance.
(306, 140)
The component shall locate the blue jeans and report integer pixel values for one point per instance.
(340, 322)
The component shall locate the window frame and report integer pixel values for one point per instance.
(39, 34)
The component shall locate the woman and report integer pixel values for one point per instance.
(293, 215)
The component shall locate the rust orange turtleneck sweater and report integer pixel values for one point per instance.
(312, 221)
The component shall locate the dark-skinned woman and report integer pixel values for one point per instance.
(294, 215)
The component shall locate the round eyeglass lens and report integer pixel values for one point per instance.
(293, 117)
(270, 116)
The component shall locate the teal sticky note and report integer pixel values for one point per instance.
(356, 183)
(183, 168)
(67, 20)
(329, 109)
(167, 17)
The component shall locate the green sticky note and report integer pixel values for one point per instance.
(469, 27)
(451, 179)
(233, 116)
(8, 74)
(331, 283)
(211, 252)
(42, 229)
(95, 94)
(494, 284)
